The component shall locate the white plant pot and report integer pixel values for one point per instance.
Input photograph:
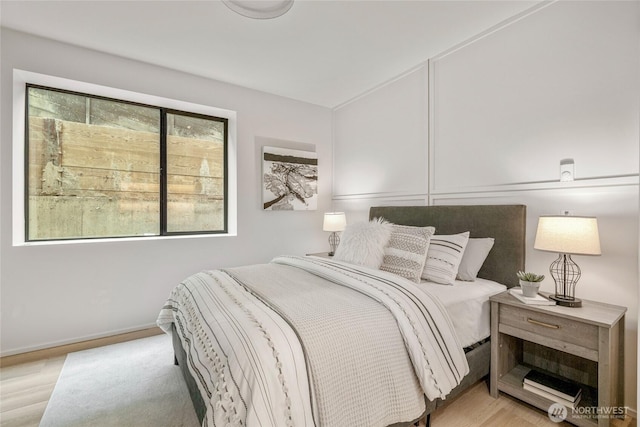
(529, 289)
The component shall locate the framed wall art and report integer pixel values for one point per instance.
(289, 179)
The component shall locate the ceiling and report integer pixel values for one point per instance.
(322, 52)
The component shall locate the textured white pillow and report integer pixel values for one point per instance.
(363, 243)
(473, 257)
(406, 252)
(444, 256)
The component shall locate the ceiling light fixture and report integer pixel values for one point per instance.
(259, 9)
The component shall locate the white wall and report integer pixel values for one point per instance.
(369, 133)
(63, 293)
(505, 108)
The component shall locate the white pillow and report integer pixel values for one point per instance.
(443, 257)
(363, 243)
(473, 257)
(406, 252)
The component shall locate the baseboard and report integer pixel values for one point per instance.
(633, 413)
(62, 350)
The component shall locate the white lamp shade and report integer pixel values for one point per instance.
(334, 221)
(576, 235)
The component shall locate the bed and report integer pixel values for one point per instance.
(316, 379)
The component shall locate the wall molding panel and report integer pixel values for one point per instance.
(381, 139)
(616, 181)
(505, 116)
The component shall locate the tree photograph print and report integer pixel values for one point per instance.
(290, 179)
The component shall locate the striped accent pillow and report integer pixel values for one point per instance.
(406, 252)
(443, 257)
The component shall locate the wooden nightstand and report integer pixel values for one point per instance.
(584, 345)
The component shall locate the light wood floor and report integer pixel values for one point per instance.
(476, 408)
(25, 389)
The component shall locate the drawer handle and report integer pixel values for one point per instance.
(546, 325)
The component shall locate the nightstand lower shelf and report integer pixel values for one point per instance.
(511, 383)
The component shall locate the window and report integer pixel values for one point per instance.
(99, 167)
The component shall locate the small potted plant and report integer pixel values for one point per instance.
(530, 283)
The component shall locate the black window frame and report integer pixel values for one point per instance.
(163, 190)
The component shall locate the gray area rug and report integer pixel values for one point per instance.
(128, 384)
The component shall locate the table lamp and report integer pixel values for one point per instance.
(334, 222)
(567, 235)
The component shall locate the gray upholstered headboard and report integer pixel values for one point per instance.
(505, 223)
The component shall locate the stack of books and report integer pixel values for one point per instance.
(552, 388)
(537, 300)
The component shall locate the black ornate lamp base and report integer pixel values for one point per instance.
(566, 301)
(334, 241)
(565, 273)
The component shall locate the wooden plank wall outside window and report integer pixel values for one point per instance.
(94, 169)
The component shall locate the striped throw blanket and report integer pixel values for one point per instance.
(313, 342)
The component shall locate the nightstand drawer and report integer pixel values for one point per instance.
(550, 326)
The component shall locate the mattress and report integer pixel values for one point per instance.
(468, 306)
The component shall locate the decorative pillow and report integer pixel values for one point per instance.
(363, 243)
(406, 251)
(473, 257)
(443, 257)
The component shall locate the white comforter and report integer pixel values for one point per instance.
(254, 337)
